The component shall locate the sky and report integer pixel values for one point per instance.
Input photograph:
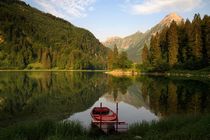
(107, 18)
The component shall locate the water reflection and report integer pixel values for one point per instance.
(60, 95)
(176, 96)
(127, 113)
(37, 95)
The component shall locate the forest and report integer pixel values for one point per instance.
(182, 46)
(118, 60)
(31, 39)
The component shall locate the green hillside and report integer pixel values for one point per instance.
(32, 39)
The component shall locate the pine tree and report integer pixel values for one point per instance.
(155, 50)
(115, 51)
(197, 40)
(206, 39)
(182, 40)
(188, 50)
(110, 60)
(145, 55)
(115, 57)
(173, 45)
(164, 45)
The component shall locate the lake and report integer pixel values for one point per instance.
(30, 96)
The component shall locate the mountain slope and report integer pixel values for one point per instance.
(30, 38)
(134, 53)
(123, 43)
(134, 50)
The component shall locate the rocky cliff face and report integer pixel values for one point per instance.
(169, 18)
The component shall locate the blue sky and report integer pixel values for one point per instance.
(106, 18)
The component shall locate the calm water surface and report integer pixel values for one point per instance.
(30, 96)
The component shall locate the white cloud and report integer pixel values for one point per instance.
(155, 6)
(67, 8)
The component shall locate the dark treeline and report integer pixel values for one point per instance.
(182, 46)
(32, 39)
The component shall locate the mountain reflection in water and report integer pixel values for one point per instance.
(26, 96)
(127, 113)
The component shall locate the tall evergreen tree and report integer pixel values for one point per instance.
(173, 45)
(155, 51)
(115, 51)
(188, 50)
(197, 40)
(110, 60)
(206, 39)
(145, 55)
(115, 57)
(164, 45)
(183, 42)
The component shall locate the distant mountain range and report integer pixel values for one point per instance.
(133, 44)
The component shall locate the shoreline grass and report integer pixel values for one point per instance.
(122, 72)
(182, 127)
(204, 73)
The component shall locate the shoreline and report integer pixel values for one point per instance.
(177, 74)
(120, 72)
(51, 70)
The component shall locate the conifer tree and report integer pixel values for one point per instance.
(206, 39)
(164, 45)
(182, 40)
(188, 51)
(110, 60)
(145, 55)
(115, 57)
(197, 40)
(173, 45)
(155, 50)
(115, 51)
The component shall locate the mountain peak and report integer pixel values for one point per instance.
(171, 17)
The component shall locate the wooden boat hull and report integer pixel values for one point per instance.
(107, 120)
(103, 114)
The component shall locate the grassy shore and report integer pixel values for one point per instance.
(190, 127)
(122, 72)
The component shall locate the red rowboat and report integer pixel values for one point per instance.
(107, 120)
(103, 114)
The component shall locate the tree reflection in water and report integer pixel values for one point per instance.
(56, 95)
